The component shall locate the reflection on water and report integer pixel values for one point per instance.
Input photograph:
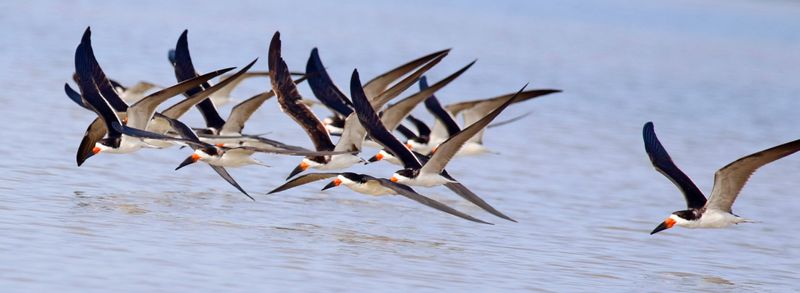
(718, 79)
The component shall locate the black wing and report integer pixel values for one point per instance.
(423, 130)
(663, 163)
(435, 108)
(89, 90)
(184, 69)
(470, 196)
(302, 180)
(225, 175)
(75, 96)
(100, 79)
(324, 88)
(290, 100)
(409, 193)
(376, 130)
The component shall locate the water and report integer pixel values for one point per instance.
(718, 78)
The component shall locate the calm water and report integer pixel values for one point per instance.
(718, 78)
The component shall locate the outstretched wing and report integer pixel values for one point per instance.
(729, 180)
(663, 163)
(413, 195)
(303, 179)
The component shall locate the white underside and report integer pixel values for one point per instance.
(338, 162)
(127, 145)
(427, 180)
(232, 160)
(369, 188)
(711, 219)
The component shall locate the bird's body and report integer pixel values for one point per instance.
(716, 211)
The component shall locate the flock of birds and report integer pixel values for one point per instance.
(128, 120)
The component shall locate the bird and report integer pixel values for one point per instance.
(370, 185)
(289, 100)
(714, 212)
(430, 172)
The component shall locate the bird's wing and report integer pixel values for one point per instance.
(395, 113)
(422, 129)
(478, 109)
(184, 69)
(180, 108)
(470, 196)
(85, 70)
(729, 180)
(323, 87)
(303, 179)
(141, 112)
(100, 79)
(227, 176)
(290, 100)
(94, 133)
(663, 164)
(444, 121)
(75, 97)
(407, 192)
(447, 149)
(353, 135)
(242, 111)
(376, 130)
(384, 97)
(379, 84)
(226, 91)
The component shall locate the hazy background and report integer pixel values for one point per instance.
(718, 78)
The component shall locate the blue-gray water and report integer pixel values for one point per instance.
(718, 78)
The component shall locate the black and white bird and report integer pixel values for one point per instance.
(369, 185)
(290, 103)
(415, 172)
(714, 212)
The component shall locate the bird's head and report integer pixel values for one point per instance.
(304, 165)
(198, 155)
(345, 178)
(680, 218)
(403, 176)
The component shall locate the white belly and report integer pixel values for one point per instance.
(714, 219)
(427, 180)
(370, 188)
(230, 159)
(472, 149)
(338, 162)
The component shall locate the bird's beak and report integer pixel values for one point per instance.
(190, 160)
(85, 155)
(334, 183)
(300, 168)
(376, 158)
(668, 223)
(393, 179)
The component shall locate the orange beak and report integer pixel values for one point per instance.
(334, 183)
(125, 120)
(195, 157)
(668, 223)
(300, 168)
(220, 145)
(394, 179)
(96, 150)
(434, 149)
(408, 145)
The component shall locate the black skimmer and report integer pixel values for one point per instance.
(728, 182)
(95, 86)
(431, 172)
(289, 100)
(369, 185)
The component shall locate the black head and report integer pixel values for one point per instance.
(678, 216)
